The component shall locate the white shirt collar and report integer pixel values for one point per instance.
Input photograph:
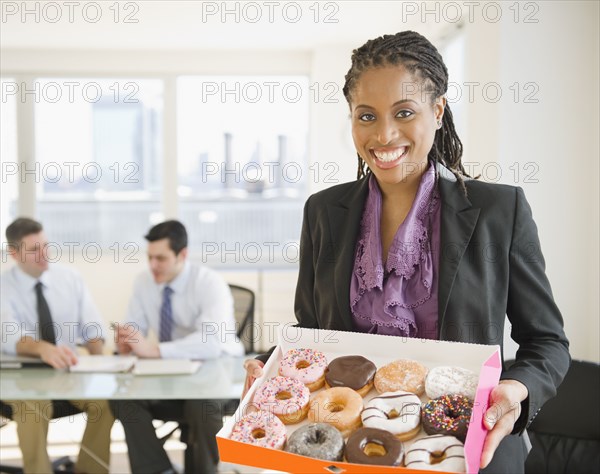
(178, 283)
(27, 281)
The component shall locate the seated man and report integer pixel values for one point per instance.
(45, 310)
(182, 303)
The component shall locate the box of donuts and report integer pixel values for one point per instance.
(334, 401)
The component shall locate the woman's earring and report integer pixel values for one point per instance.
(439, 123)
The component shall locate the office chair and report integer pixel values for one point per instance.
(243, 303)
(243, 299)
(60, 408)
(565, 435)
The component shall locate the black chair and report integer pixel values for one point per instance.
(60, 408)
(243, 302)
(565, 435)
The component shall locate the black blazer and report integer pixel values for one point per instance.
(490, 266)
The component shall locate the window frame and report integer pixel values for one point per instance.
(163, 66)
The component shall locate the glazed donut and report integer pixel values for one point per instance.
(260, 428)
(354, 372)
(317, 440)
(339, 406)
(285, 397)
(451, 381)
(396, 412)
(373, 446)
(448, 415)
(306, 365)
(403, 374)
(436, 453)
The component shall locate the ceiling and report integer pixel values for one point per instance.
(187, 25)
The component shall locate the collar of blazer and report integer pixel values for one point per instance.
(458, 220)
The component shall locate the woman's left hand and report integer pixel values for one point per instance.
(500, 418)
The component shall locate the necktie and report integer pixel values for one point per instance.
(44, 317)
(166, 316)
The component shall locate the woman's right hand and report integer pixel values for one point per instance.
(253, 371)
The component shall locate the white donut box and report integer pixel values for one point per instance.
(482, 359)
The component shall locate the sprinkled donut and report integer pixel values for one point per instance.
(339, 406)
(261, 429)
(396, 412)
(451, 381)
(317, 440)
(285, 397)
(373, 446)
(436, 453)
(402, 374)
(306, 365)
(355, 372)
(448, 415)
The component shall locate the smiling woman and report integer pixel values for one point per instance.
(402, 244)
(393, 126)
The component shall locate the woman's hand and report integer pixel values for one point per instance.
(253, 371)
(500, 418)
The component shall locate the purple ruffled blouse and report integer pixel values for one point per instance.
(400, 298)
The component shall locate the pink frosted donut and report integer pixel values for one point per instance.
(306, 365)
(261, 429)
(285, 397)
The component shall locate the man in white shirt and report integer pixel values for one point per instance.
(190, 309)
(45, 310)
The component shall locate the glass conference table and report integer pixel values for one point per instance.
(221, 378)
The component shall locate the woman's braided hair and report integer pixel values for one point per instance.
(421, 58)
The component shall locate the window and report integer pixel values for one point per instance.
(8, 156)
(99, 157)
(242, 165)
(241, 161)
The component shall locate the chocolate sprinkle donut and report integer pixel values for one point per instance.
(448, 415)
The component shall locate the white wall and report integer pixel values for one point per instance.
(560, 134)
(556, 139)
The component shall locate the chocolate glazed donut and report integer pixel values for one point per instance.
(354, 372)
(374, 446)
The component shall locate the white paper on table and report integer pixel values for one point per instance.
(166, 366)
(103, 363)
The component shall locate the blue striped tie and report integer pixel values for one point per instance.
(166, 316)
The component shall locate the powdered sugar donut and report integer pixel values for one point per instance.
(261, 429)
(436, 453)
(397, 412)
(402, 374)
(285, 397)
(448, 380)
(306, 365)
